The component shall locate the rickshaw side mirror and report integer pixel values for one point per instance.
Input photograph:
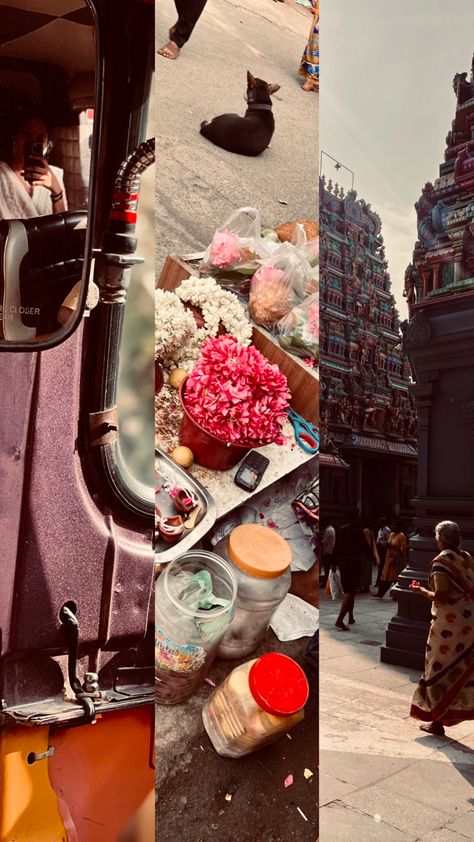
(50, 77)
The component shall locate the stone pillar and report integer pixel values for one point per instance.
(439, 340)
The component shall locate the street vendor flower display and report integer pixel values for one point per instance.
(234, 393)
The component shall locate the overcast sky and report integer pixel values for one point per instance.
(386, 103)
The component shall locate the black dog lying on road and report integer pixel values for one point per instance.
(251, 134)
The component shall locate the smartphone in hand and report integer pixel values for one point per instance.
(32, 150)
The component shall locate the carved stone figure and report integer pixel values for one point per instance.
(424, 207)
(409, 289)
(417, 331)
(468, 256)
(462, 88)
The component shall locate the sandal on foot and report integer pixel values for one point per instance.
(351, 621)
(435, 728)
(170, 50)
(309, 85)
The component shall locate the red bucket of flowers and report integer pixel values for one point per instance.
(233, 400)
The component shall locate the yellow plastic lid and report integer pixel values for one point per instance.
(258, 550)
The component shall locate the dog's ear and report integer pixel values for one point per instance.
(251, 83)
(272, 89)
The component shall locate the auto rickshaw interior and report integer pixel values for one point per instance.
(47, 71)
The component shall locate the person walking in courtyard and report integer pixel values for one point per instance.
(328, 542)
(382, 544)
(368, 566)
(395, 559)
(351, 548)
(189, 12)
(445, 692)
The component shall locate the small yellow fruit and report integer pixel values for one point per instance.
(183, 456)
(176, 377)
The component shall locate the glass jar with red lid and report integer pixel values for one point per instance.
(255, 704)
(260, 559)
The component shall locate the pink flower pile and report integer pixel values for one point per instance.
(225, 249)
(236, 394)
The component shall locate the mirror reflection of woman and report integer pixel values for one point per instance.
(33, 187)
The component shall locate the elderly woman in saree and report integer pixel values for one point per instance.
(445, 692)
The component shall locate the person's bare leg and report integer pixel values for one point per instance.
(351, 612)
(310, 85)
(347, 605)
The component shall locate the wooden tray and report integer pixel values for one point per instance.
(302, 381)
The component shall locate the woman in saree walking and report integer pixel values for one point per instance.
(395, 559)
(445, 692)
(309, 66)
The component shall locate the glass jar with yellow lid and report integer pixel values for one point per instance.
(260, 559)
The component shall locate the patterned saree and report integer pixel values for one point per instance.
(309, 67)
(445, 692)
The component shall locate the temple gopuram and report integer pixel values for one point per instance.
(439, 339)
(368, 422)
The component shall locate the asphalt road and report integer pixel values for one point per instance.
(198, 184)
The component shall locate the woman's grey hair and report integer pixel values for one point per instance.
(449, 532)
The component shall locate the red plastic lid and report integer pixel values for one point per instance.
(278, 684)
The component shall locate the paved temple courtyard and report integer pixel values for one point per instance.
(380, 777)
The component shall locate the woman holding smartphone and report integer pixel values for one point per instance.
(29, 185)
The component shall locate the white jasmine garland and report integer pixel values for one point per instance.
(180, 347)
(174, 326)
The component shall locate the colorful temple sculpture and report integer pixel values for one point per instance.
(439, 339)
(368, 420)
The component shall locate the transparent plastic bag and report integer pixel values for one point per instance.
(308, 252)
(298, 331)
(335, 585)
(277, 286)
(235, 245)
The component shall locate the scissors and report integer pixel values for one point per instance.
(306, 434)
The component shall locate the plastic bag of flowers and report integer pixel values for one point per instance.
(298, 331)
(279, 284)
(235, 248)
(304, 237)
(233, 400)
